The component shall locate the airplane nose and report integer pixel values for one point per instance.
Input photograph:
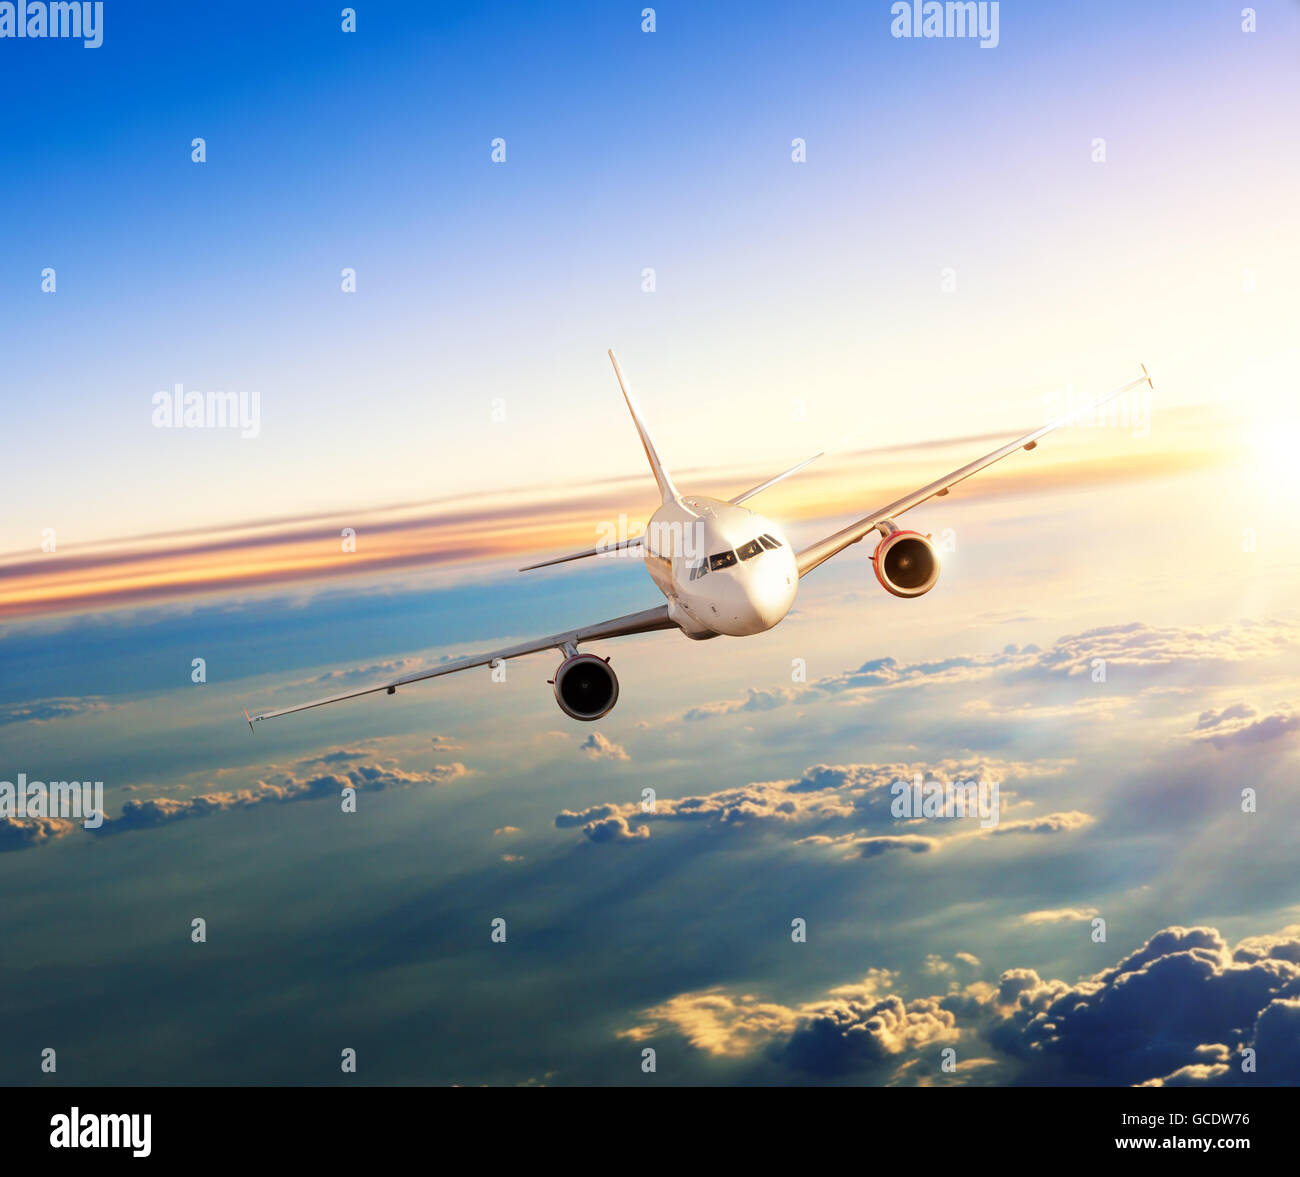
(774, 590)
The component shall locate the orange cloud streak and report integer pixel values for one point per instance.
(153, 569)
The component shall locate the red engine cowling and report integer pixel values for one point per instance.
(586, 687)
(906, 564)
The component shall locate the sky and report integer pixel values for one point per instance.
(1114, 640)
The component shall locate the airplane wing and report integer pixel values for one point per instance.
(832, 545)
(762, 486)
(647, 621)
(587, 553)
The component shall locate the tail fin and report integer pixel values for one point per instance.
(666, 487)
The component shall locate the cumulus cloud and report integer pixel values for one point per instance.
(1135, 653)
(846, 805)
(21, 833)
(853, 1027)
(311, 778)
(1178, 1010)
(851, 1034)
(598, 747)
(614, 829)
(287, 787)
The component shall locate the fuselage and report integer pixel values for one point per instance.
(723, 569)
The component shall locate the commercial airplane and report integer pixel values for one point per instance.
(722, 568)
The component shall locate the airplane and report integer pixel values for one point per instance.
(723, 569)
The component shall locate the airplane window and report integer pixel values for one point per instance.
(750, 550)
(722, 560)
(769, 542)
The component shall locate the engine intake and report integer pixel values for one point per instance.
(906, 563)
(586, 687)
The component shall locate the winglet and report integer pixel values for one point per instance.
(249, 718)
(1148, 376)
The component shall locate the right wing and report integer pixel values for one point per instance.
(832, 545)
(647, 621)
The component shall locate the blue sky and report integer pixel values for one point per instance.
(1169, 553)
(480, 282)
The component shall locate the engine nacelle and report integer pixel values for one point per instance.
(586, 687)
(906, 563)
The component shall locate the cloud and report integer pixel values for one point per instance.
(1240, 725)
(21, 833)
(46, 710)
(1173, 1011)
(717, 1022)
(614, 829)
(376, 671)
(299, 784)
(1049, 823)
(827, 805)
(1213, 719)
(851, 1035)
(754, 700)
(597, 747)
(453, 532)
(1134, 654)
(874, 847)
(1059, 915)
(853, 1027)
(1178, 1010)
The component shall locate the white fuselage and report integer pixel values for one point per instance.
(724, 569)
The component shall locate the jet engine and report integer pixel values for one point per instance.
(906, 563)
(586, 687)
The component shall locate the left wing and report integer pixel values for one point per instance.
(832, 545)
(762, 486)
(647, 621)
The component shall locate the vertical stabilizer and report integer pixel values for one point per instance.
(666, 487)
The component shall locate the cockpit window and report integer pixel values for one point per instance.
(750, 550)
(770, 542)
(700, 569)
(722, 560)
